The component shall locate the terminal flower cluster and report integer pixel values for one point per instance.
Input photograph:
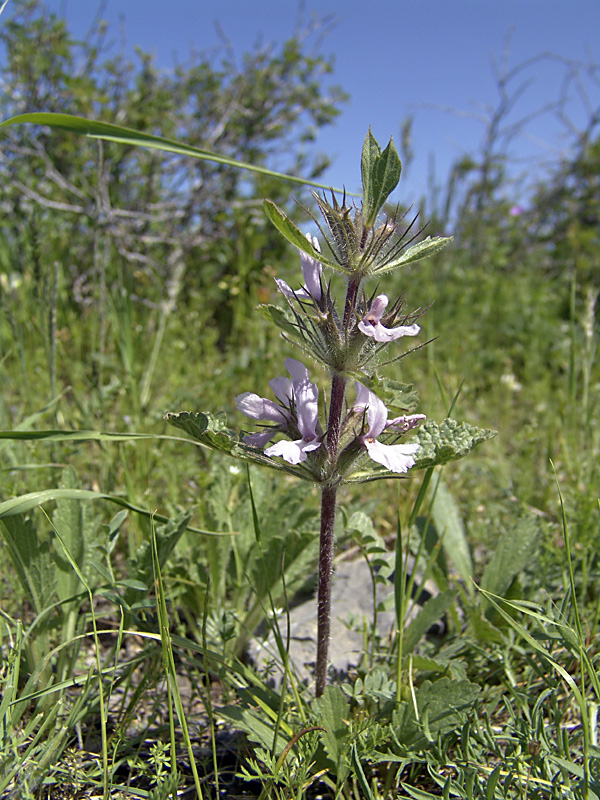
(295, 413)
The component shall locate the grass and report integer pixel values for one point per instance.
(123, 636)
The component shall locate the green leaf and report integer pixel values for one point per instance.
(76, 532)
(256, 726)
(279, 318)
(448, 441)
(334, 713)
(439, 444)
(295, 236)
(211, 430)
(366, 534)
(432, 611)
(371, 151)
(442, 706)
(492, 783)
(451, 531)
(27, 502)
(514, 551)
(380, 174)
(447, 666)
(393, 393)
(140, 567)
(360, 774)
(423, 249)
(31, 558)
(483, 630)
(26, 424)
(504, 607)
(118, 133)
(416, 794)
(75, 436)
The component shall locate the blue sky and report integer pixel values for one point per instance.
(431, 59)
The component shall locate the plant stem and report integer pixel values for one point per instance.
(328, 497)
(324, 592)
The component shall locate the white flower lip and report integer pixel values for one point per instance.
(395, 457)
(372, 326)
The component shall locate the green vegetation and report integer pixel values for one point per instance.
(136, 567)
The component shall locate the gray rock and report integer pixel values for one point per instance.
(351, 611)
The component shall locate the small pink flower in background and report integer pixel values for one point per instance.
(371, 324)
(311, 270)
(396, 457)
(516, 210)
(299, 405)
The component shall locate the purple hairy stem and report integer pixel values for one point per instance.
(328, 497)
(324, 592)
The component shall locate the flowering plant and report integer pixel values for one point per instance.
(355, 441)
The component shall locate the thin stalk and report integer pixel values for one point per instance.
(328, 497)
(324, 593)
(52, 331)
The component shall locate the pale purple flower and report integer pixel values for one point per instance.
(260, 438)
(371, 324)
(396, 457)
(299, 405)
(516, 211)
(311, 271)
(260, 408)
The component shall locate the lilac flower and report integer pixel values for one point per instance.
(396, 457)
(260, 408)
(371, 325)
(311, 270)
(299, 409)
(265, 410)
(306, 406)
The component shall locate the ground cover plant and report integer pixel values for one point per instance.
(137, 565)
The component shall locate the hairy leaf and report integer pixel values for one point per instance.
(140, 567)
(514, 551)
(31, 559)
(295, 236)
(433, 610)
(451, 531)
(380, 174)
(77, 531)
(439, 444)
(279, 318)
(334, 712)
(442, 706)
(255, 725)
(394, 393)
(211, 430)
(427, 247)
(448, 441)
